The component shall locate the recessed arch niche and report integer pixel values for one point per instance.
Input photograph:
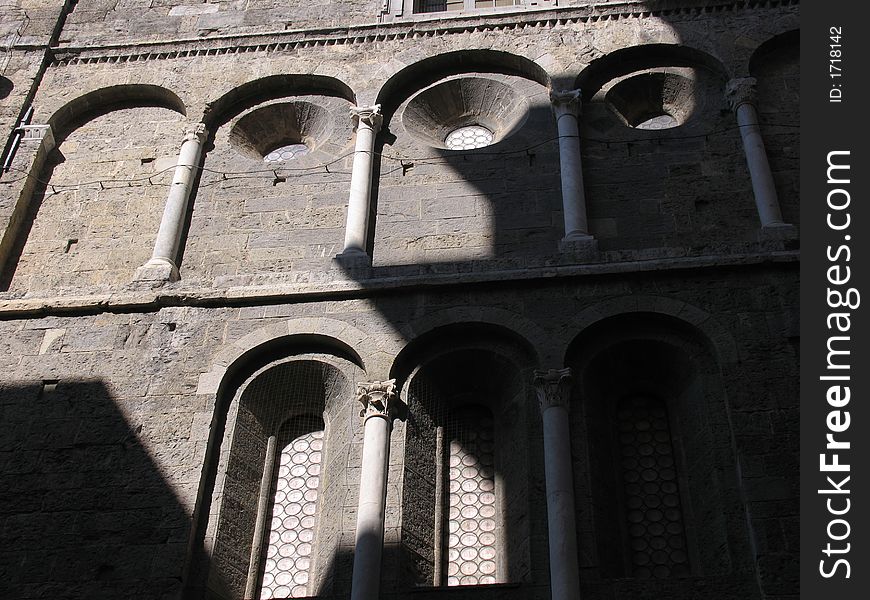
(467, 457)
(461, 115)
(73, 233)
(280, 465)
(656, 468)
(271, 200)
(775, 65)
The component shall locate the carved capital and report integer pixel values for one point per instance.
(194, 132)
(740, 91)
(553, 387)
(368, 115)
(377, 398)
(38, 133)
(566, 101)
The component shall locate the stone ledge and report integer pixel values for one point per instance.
(400, 29)
(131, 300)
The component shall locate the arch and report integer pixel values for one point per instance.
(332, 347)
(647, 56)
(420, 74)
(642, 375)
(775, 66)
(719, 339)
(300, 398)
(505, 326)
(467, 391)
(321, 334)
(73, 116)
(253, 92)
(104, 100)
(788, 39)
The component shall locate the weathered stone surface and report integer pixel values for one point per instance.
(123, 407)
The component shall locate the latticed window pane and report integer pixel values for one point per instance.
(469, 137)
(657, 538)
(291, 536)
(429, 6)
(472, 523)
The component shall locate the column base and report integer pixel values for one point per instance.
(579, 247)
(354, 259)
(777, 232)
(157, 270)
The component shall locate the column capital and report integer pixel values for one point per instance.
(740, 91)
(369, 115)
(194, 132)
(38, 133)
(553, 387)
(377, 398)
(566, 101)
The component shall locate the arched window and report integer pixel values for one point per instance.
(660, 487)
(464, 492)
(283, 463)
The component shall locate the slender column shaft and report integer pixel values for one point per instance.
(553, 389)
(263, 506)
(565, 107)
(167, 245)
(359, 204)
(741, 96)
(375, 397)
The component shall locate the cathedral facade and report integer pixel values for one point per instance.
(406, 299)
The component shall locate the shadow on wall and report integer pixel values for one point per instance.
(91, 511)
(658, 113)
(6, 87)
(86, 512)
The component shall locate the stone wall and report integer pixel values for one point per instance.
(146, 369)
(118, 399)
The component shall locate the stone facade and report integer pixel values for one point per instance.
(181, 311)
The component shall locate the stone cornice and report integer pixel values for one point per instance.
(344, 289)
(290, 40)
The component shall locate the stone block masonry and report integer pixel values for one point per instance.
(173, 322)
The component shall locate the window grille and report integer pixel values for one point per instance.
(287, 564)
(653, 511)
(471, 532)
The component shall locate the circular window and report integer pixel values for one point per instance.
(285, 153)
(468, 112)
(469, 137)
(664, 121)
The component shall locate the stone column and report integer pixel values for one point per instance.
(368, 123)
(553, 388)
(376, 398)
(566, 105)
(740, 94)
(162, 266)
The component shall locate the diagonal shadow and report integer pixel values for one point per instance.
(86, 512)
